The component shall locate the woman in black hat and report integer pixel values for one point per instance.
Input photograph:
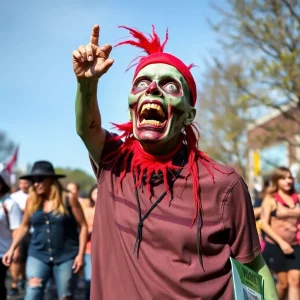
(59, 234)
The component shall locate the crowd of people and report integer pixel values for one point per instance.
(49, 227)
(179, 251)
(45, 234)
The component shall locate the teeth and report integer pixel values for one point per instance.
(151, 122)
(149, 106)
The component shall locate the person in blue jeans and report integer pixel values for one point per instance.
(59, 235)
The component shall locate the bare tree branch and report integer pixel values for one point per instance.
(291, 10)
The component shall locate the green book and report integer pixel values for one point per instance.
(247, 284)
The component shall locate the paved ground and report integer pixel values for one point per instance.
(79, 295)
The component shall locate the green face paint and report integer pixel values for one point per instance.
(159, 104)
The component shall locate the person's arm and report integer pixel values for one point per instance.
(80, 219)
(17, 251)
(88, 119)
(283, 211)
(257, 208)
(267, 206)
(85, 206)
(18, 236)
(90, 62)
(258, 265)
(257, 212)
(15, 220)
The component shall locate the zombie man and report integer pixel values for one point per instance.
(168, 217)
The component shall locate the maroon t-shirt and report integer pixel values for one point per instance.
(168, 265)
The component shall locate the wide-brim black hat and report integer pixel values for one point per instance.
(42, 168)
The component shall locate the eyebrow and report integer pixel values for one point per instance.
(161, 77)
(168, 77)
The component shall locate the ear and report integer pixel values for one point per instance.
(190, 116)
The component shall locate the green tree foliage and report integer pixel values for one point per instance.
(222, 118)
(84, 179)
(263, 36)
(267, 34)
(6, 147)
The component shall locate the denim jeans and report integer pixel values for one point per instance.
(87, 275)
(64, 278)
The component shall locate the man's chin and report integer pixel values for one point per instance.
(148, 142)
(149, 136)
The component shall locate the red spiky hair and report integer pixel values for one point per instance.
(149, 46)
(154, 54)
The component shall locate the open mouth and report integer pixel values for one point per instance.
(152, 114)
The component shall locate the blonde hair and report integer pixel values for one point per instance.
(279, 173)
(57, 195)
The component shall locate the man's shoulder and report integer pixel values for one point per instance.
(19, 197)
(17, 194)
(9, 202)
(112, 143)
(221, 175)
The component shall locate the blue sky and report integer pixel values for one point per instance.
(37, 82)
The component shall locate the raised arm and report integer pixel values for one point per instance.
(90, 62)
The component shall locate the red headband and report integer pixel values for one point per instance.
(154, 49)
(165, 58)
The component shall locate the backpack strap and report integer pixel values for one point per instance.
(295, 198)
(280, 200)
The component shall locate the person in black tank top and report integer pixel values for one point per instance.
(280, 222)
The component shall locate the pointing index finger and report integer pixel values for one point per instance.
(95, 35)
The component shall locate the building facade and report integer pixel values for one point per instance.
(274, 140)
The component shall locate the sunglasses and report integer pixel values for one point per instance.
(38, 179)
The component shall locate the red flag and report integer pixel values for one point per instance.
(11, 163)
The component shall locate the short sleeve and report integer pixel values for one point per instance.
(238, 217)
(110, 146)
(14, 216)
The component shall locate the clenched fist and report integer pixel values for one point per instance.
(92, 61)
